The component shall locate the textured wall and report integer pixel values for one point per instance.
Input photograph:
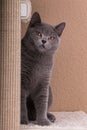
(69, 79)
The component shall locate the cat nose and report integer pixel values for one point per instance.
(43, 41)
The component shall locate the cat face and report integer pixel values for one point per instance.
(45, 38)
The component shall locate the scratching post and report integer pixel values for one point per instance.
(10, 64)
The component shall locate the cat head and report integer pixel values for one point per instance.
(44, 37)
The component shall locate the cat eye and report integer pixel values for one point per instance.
(38, 34)
(51, 38)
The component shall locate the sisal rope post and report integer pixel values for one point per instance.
(10, 64)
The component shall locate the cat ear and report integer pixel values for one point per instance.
(59, 28)
(35, 19)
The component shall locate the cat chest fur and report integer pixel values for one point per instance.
(38, 70)
(41, 70)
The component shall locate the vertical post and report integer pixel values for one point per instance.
(10, 64)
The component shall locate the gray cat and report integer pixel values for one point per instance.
(37, 49)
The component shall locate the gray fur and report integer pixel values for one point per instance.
(37, 52)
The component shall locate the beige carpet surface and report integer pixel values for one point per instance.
(64, 120)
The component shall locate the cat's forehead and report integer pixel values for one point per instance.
(45, 28)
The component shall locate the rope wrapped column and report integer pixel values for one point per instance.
(10, 64)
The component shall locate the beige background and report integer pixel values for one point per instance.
(69, 79)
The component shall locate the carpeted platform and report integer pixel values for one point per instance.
(64, 120)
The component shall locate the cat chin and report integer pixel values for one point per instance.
(42, 49)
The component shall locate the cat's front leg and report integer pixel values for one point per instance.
(41, 104)
(24, 117)
(50, 116)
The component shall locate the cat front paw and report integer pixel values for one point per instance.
(24, 122)
(51, 117)
(44, 122)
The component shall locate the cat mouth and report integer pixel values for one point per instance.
(42, 47)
